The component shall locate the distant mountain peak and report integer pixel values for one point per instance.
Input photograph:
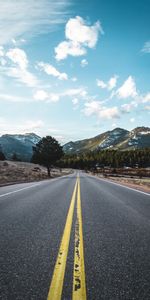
(118, 138)
(21, 144)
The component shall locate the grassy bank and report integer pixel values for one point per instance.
(15, 172)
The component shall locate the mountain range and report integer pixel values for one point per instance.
(20, 144)
(118, 138)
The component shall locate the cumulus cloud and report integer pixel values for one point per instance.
(146, 47)
(128, 89)
(110, 85)
(28, 18)
(68, 48)
(50, 70)
(102, 112)
(84, 63)
(79, 36)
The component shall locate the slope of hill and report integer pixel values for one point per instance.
(21, 144)
(119, 138)
(116, 139)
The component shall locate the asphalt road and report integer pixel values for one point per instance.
(108, 227)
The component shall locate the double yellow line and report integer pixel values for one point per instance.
(79, 286)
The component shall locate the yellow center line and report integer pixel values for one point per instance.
(79, 285)
(56, 286)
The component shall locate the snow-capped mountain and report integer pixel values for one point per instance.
(20, 144)
(116, 139)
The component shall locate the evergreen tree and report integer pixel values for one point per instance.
(47, 152)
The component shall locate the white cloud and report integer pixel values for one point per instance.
(146, 98)
(127, 107)
(147, 107)
(11, 98)
(79, 36)
(92, 108)
(68, 48)
(18, 42)
(19, 67)
(13, 127)
(18, 56)
(75, 92)
(114, 125)
(128, 89)
(50, 70)
(78, 31)
(146, 48)
(3, 61)
(109, 113)
(23, 76)
(96, 108)
(75, 101)
(112, 82)
(1, 51)
(132, 120)
(74, 79)
(84, 63)
(41, 95)
(29, 18)
(110, 85)
(30, 125)
(101, 84)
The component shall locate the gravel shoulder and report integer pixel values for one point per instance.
(141, 184)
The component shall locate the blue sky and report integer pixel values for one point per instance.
(73, 69)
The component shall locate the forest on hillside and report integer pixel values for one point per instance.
(139, 158)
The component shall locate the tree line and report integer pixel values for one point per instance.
(111, 158)
(48, 152)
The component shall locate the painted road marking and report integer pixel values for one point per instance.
(56, 286)
(16, 191)
(121, 185)
(79, 285)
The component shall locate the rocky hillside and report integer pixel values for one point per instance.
(20, 144)
(116, 139)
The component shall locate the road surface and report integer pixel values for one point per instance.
(75, 237)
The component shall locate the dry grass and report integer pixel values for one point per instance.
(142, 184)
(11, 172)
